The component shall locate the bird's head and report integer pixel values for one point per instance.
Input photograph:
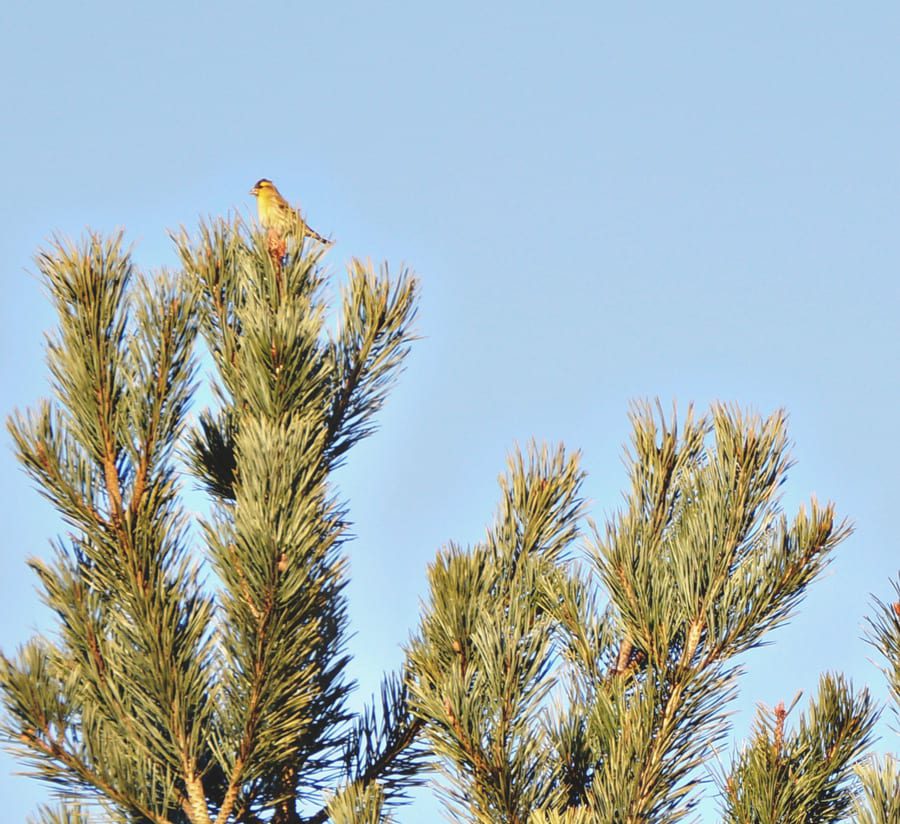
(262, 185)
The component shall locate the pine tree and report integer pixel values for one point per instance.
(166, 697)
(565, 690)
(560, 675)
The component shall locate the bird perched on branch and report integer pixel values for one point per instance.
(277, 215)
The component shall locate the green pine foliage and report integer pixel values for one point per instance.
(878, 801)
(63, 814)
(803, 775)
(358, 804)
(562, 672)
(884, 635)
(162, 698)
(563, 689)
(481, 666)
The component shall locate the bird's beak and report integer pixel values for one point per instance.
(254, 191)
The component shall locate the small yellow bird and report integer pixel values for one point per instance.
(277, 215)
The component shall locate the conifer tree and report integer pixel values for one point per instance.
(560, 675)
(565, 691)
(165, 697)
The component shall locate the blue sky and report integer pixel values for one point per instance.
(605, 202)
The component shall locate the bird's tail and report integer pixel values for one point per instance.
(310, 232)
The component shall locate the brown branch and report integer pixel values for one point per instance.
(231, 792)
(658, 522)
(623, 658)
(195, 805)
(110, 472)
(87, 775)
(660, 740)
(245, 749)
(352, 380)
(691, 642)
(140, 479)
(193, 782)
(52, 473)
(336, 419)
(114, 493)
(245, 587)
(96, 655)
(476, 756)
(286, 808)
(486, 774)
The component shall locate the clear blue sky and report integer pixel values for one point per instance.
(603, 203)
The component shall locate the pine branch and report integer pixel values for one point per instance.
(90, 778)
(279, 590)
(884, 634)
(64, 814)
(133, 621)
(803, 775)
(659, 466)
(380, 747)
(293, 403)
(879, 799)
(699, 567)
(390, 766)
(480, 666)
(357, 804)
(374, 339)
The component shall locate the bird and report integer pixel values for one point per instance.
(277, 215)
